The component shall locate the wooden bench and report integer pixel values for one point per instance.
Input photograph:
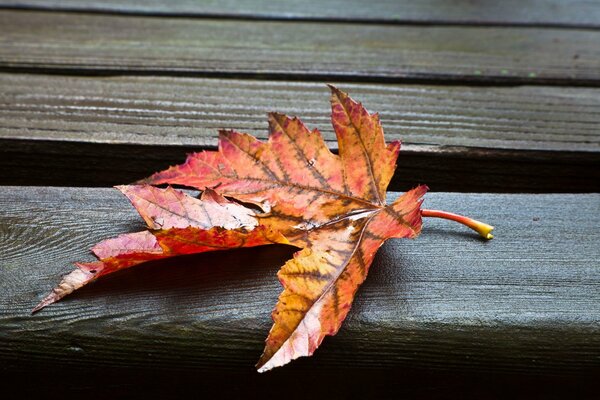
(498, 107)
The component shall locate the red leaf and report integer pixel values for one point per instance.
(331, 205)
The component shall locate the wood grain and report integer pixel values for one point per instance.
(512, 12)
(527, 302)
(189, 111)
(58, 130)
(126, 44)
(471, 88)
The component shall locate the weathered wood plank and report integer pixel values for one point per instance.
(514, 12)
(189, 111)
(527, 302)
(82, 131)
(119, 44)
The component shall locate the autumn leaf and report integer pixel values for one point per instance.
(331, 206)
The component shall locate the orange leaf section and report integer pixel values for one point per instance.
(180, 225)
(332, 206)
(294, 173)
(368, 163)
(321, 280)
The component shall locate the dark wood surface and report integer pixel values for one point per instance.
(487, 96)
(86, 131)
(56, 163)
(527, 302)
(575, 13)
(220, 47)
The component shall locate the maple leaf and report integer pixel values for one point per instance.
(331, 206)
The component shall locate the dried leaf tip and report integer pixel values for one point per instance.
(482, 228)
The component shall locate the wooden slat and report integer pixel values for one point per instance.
(514, 12)
(86, 131)
(100, 44)
(527, 302)
(188, 111)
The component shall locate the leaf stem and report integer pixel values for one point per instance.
(480, 227)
